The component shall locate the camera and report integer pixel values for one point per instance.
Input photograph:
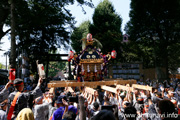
(73, 99)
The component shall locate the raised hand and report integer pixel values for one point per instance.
(8, 85)
(65, 103)
(40, 81)
(162, 89)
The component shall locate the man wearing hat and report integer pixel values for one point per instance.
(61, 104)
(18, 100)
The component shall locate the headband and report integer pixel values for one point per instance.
(146, 105)
(19, 84)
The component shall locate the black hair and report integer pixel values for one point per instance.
(122, 97)
(127, 103)
(104, 115)
(131, 113)
(69, 115)
(140, 102)
(31, 101)
(99, 88)
(68, 94)
(96, 105)
(167, 107)
(53, 101)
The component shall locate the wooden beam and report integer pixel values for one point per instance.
(62, 81)
(90, 90)
(89, 84)
(107, 88)
(69, 89)
(122, 87)
(142, 87)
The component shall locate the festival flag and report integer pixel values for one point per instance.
(41, 70)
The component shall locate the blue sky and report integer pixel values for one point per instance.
(122, 8)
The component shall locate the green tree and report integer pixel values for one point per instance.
(2, 66)
(154, 27)
(55, 67)
(41, 26)
(79, 33)
(106, 27)
(4, 13)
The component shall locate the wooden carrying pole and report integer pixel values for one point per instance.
(122, 87)
(142, 87)
(107, 88)
(90, 90)
(89, 84)
(69, 89)
(114, 90)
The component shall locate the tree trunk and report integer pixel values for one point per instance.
(164, 74)
(13, 41)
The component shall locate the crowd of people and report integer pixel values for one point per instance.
(33, 103)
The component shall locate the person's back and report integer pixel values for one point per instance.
(21, 103)
(69, 115)
(41, 109)
(104, 115)
(20, 100)
(95, 109)
(167, 110)
(58, 113)
(130, 113)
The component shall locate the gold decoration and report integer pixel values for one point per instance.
(88, 56)
(90, 52)
(89, 42)
(98, 61)
(93, 56)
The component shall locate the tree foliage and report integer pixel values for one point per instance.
(153, 28)
(55, 67)
(4, 13)
(41, 26)
(78, 34)
(106, 27)
(2, 66)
